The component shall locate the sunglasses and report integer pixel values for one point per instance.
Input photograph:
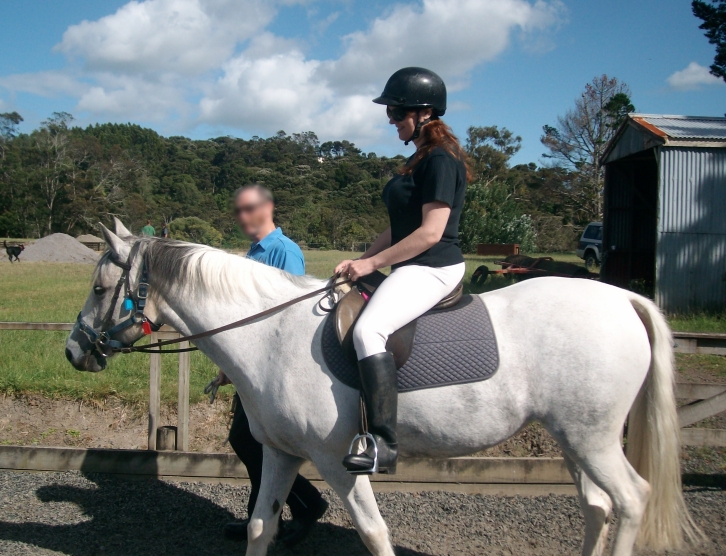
(397, 113)
(247, 209)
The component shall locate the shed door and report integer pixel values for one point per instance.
(630, 221)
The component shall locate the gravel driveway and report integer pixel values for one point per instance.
(75, 514)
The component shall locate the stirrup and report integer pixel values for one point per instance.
(368, 437)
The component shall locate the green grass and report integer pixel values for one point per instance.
(699, 323)
(33, 361)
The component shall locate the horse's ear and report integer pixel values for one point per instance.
(115, 243)
(121, 230)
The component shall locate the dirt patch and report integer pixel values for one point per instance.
(35, 420)
(59, 248)
(701, 368)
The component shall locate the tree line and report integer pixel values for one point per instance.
(63, 178)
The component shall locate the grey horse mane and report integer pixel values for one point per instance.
(186, 268)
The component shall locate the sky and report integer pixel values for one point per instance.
(208, 68)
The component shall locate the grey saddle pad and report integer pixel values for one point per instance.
(453, 346)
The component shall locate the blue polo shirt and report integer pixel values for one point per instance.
(278, 250)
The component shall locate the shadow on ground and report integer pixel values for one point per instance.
(151, 517)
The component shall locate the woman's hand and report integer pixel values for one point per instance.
(342, 268)
(356, 269)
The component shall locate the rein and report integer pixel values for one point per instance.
(136, 302)
(237, 324)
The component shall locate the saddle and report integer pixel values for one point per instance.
(350, 306)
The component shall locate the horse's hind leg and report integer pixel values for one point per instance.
(607, 467)
(278, 473)
(357, 496)
(596, 507)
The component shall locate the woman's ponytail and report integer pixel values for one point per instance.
(437, 134)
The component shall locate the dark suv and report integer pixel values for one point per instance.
(590, 247)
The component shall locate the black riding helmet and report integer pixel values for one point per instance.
(415, 88)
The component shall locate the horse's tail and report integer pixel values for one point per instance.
(654, 443)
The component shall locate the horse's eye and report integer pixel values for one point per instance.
(99, 290)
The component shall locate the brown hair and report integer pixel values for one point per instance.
(437, 134)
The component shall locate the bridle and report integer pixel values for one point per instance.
(134, 301)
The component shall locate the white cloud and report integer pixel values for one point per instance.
(119, 96)
(266, 87)
(180, 36)
(694, 76)
(45, 83)
(449, 36)
(197, 62)
(322, 25)
(274, 88)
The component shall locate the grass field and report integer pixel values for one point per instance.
(33, 361)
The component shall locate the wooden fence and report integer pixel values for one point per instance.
(165, 333)
(704, 400)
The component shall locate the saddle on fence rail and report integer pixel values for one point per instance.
(350, 306)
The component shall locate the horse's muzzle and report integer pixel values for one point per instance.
(82, 354)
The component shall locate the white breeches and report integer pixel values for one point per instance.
(406, 294)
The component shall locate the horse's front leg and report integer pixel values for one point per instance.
(357, 495)
(278, 473)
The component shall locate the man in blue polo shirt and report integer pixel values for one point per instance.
(270, 245)
(254, 208)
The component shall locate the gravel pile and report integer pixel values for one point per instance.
(88, 238)
(69, 513)
(59, 248)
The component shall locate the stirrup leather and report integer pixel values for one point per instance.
(368, 437)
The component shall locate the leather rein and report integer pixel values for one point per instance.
(135, 301)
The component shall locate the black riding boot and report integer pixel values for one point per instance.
(380, 393)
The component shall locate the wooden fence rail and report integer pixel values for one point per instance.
(705, 400)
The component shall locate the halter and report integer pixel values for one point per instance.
(134, 301)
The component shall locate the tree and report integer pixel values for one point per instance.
(578, 140)
(714, 23)
(9, 122)
(195, 230)
(489, 149)
(491, 213)
(8, 129)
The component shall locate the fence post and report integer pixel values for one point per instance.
(182, 427)
(154, 393)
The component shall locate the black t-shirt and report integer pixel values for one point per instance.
(438, 177)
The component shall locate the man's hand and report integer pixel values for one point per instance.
(356, 269)
(211, 388)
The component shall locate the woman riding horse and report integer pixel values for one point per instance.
(424, 202)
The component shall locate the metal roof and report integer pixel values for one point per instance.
(685, 127)
(640, 132)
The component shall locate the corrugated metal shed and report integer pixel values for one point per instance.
(665, 210)
(640, 132)
(691, 254)
(686, 127)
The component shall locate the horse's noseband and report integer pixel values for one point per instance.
(135, 301)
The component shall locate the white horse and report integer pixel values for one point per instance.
(299, 411)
